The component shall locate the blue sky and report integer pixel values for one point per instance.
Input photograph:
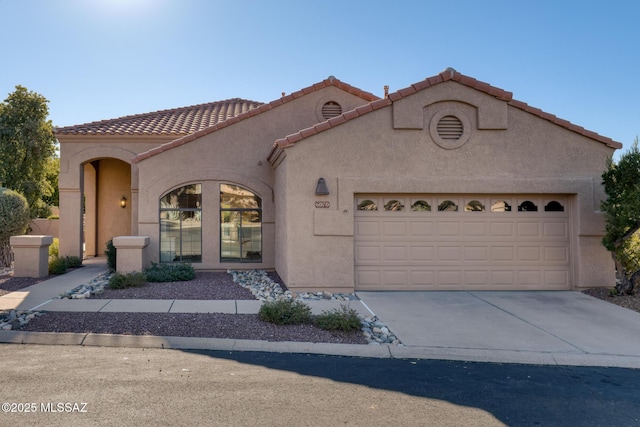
(101, 59)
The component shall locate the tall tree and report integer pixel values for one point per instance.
(621, 209)
(27, 145)
(53, 171)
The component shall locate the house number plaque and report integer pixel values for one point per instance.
(323, 204)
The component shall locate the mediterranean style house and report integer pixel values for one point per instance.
(447, 184)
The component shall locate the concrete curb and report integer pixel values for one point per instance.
(383, 351)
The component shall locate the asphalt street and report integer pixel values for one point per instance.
(75, 385)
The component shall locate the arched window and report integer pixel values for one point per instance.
(393, 205)
(180, 225)
(367, 205)
(474, 206)
(527, 206)
(500, 206)
(420, 205)
(448, 205)
(240, 225)
(554, 206)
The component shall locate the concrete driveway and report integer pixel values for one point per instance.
(568, 327)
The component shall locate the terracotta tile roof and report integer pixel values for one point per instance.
(446, 75)
(330, 81)
(177, 121)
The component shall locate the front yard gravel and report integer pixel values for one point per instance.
(203, 325)
(205, 286)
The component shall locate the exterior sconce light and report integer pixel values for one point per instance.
(321, 188)
(123, 202)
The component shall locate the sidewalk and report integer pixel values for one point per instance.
(44, 296)
(35, 296)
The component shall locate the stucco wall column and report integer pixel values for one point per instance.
(70, 222)
(30, 255)
(131, 253)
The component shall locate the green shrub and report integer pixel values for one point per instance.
(110, 252)
(14, 218)
(285, 312)
(73, 261)
(342, 319)
(173, 272)
(57, 266)
(129, 280)
(629, 253)
(54, 248)
(53, 217)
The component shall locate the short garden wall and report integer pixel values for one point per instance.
(43, 226)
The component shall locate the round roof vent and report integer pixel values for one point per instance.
(450, 128)
(331, 109)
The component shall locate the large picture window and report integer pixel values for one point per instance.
(240, 225)
(180, 225)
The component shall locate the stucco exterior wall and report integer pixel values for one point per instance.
(75, 152)
(515, 153)
(114, 182)
(235, 155)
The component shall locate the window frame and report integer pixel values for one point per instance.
(241, 211)
(180, 211)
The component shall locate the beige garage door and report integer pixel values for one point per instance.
(464, 242)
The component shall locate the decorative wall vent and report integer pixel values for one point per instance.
(331, 109)
(450, 128)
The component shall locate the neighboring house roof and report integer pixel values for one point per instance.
(177, 121)
(446, 75)
(330, 81)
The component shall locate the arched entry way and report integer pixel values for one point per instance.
(107, 203)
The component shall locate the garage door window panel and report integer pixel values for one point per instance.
(394, 206)
(500, 206)
(554, 206)
(527, 206)
(474, 206)
(447, 206)
(421, 206)
(367, 205)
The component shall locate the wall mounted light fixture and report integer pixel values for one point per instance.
(123, 202)
(321, 188)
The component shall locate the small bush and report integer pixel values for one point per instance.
(54, 248)
(129, 280)
(60, 265)
(175, 272)
(73, 261)
(110, 252)
(14, 218)
(57, 266)
(342, 319)
(285, 312)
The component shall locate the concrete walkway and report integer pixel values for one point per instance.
(551, 328)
